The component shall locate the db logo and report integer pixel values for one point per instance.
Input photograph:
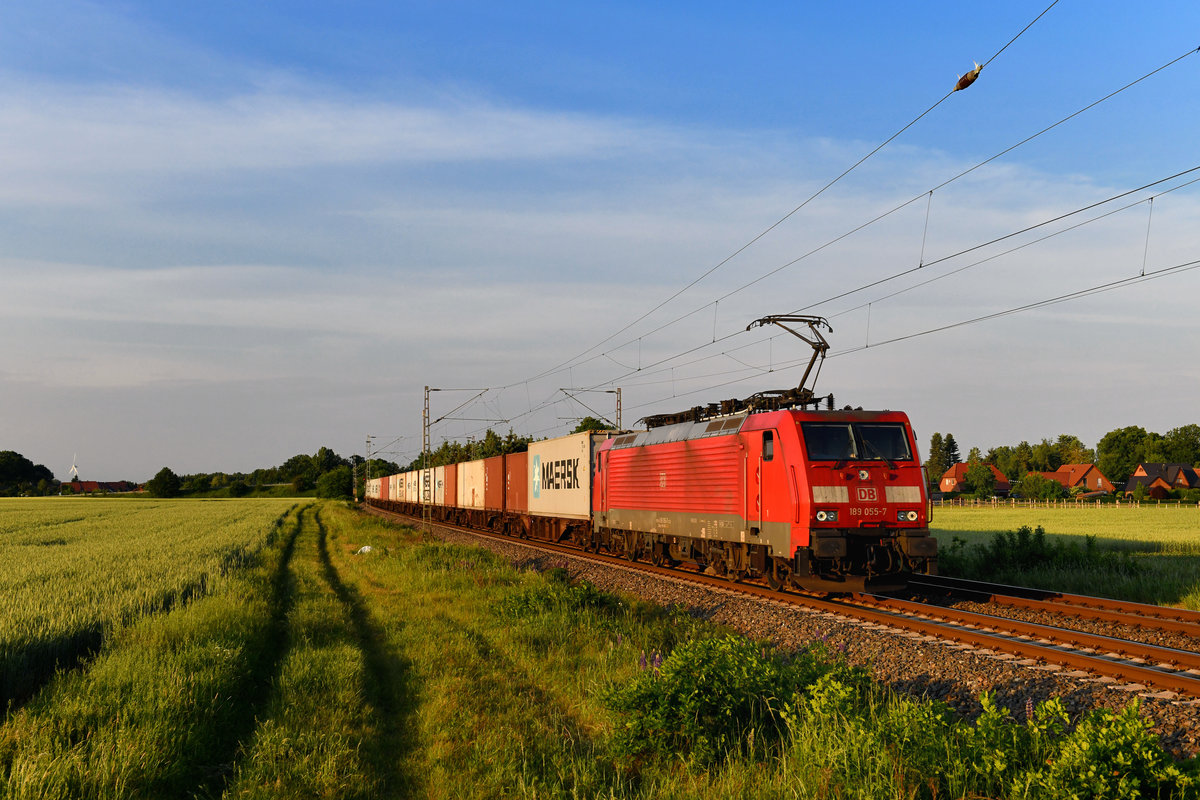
(868, 494)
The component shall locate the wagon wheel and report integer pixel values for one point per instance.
(630, 551)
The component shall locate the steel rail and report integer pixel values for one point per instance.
(1181, 659)
(1048, 652)
(1141, 615)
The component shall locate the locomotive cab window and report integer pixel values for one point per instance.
(768, 445)
(856, 441)
(828, 441)
(886, 440)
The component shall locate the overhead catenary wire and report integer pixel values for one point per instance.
(879, 217)
(1024, 245)
(786, 216)
(649, 369)
(661, 363)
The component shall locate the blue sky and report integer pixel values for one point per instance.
(237, 231)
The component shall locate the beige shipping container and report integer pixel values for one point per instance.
(395, 487)
(560, 476)
(470, 484)
(431, 485)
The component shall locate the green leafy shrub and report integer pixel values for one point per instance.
(710, 693)
(1009, 554)
(1112, 755)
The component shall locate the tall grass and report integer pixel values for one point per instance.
(1147, 554)
(429, 670)
(72, 571)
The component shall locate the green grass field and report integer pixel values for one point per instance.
(427, 670)
(73, 570)
(1162, 542)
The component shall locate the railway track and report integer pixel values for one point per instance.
(1141, 666)
(1076, 606)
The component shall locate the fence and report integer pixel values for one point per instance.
(1010, 502)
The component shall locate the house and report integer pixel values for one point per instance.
(93, 487)
(953, 478)
(1159, 479)
(1082, 477)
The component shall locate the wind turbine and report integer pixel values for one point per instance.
(74, 473)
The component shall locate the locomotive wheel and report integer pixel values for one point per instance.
(778, 574)
(657, 555)
(773, 580)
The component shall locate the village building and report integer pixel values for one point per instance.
(1160, 479)
(95, 487)
(953, 478)
(1081, 477)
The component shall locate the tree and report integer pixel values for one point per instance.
(952, 455)
(1120, 451)
(592, 424)
(325, 460)
(1045, 457)
(1072, 451)
(936, 466)
(1035, 487)
(1182, 445)
(296, 466)
(16, 470)
(164, 484)
(335, 484)
(979, 481)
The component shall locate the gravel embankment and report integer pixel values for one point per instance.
(917, 666)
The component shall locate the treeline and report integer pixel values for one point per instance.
(1117, 455)
(324, 473)
(456, 452)
(490, 445)
(21, 477)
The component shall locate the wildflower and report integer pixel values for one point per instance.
(620, 639)
(657, 661)
(642, 660)
(1028, 708)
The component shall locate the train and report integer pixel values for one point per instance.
(822, 500)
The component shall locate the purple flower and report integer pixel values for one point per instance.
(642, 660)
(1028, 708)
(620, 639)
(657, 661)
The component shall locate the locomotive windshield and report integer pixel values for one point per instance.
(856, 441)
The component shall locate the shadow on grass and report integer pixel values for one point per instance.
(550, 733)
(388, 684)
(217, 746)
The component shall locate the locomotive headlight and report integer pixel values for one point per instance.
(826, 516)
(906, 516)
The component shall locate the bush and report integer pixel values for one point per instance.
(1014, 552)
(335, 484)
(709, 693)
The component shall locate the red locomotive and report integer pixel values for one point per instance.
(824, 500)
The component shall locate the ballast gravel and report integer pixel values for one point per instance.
(917, 666)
